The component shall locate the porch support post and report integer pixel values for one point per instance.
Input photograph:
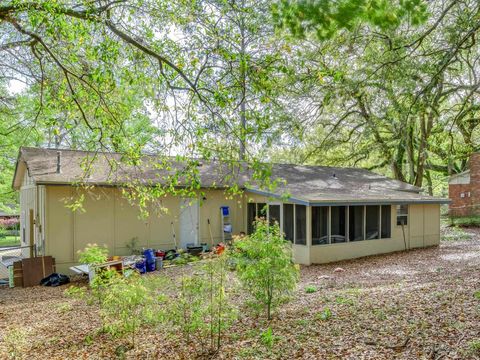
(309, 232)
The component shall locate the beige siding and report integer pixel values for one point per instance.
(416, 223)
(210, 209)
(96, 223)
(59, 225)
(108, 219)
(160, 223)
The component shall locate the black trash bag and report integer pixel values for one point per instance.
(55, 280)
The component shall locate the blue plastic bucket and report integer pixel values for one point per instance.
(140, 265)
(150, 265)
(149, 254)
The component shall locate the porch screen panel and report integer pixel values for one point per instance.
(288, 221)
(301, 224)
(338, 223)
(355, 216)
(274, 214)
(319, 225)
(262, 210)
(373, 222)
(251, 215)
(386, 221)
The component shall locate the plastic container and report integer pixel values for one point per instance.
(225, 210)
(141, 266)
(150, 264)
(158, 263)
(149, 254)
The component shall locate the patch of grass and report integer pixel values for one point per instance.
(302, 322)
(324, 315)
(456, 234)
(64, 307)
(465, 221)
(474, 346)
(310, 289)
(268, 339)
(476, 294)
(9, 241)
(344, 300)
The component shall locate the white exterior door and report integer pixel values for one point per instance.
(189, 209)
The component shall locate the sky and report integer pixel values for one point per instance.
(16, 86)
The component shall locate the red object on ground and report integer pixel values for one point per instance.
(160, 254)
(220, 248)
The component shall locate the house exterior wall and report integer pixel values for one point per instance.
(109, 219)
(464, 190)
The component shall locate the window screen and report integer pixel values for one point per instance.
(251, 215)
(402, 214)
(301, 224)
(386, 221)
(372, 222)
(288, 221)
(355, 223)
(338, 224)
(262, 210)
(274, 214)
(319, 225)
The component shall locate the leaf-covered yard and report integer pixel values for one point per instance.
(422, 304)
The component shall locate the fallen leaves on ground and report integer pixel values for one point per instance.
(418, 304)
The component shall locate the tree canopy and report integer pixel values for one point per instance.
(388, 85)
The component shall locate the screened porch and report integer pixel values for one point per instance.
(326, 225)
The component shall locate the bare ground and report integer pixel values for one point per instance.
(410, 305)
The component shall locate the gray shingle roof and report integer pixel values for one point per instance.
(313, 184)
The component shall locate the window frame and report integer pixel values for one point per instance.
(399, 215)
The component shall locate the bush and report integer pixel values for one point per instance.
(202, 310)
(465, 221)
(131, 302)
(93, 254)
(265, 267)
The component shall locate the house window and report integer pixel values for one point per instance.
(355, 216)
(288, 219)
(372, 222)
(338, 223)
(319, 225)
(402, 214)
(300, 224)
(386, 221)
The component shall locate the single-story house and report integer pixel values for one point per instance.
(464, 189)
(328, 213)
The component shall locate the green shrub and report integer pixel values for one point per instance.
(465, 221)
(201, 310)
(324, 315)
(93, 254)
(265, 267)
(267, 338)
(310, 289)
(131, 302)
